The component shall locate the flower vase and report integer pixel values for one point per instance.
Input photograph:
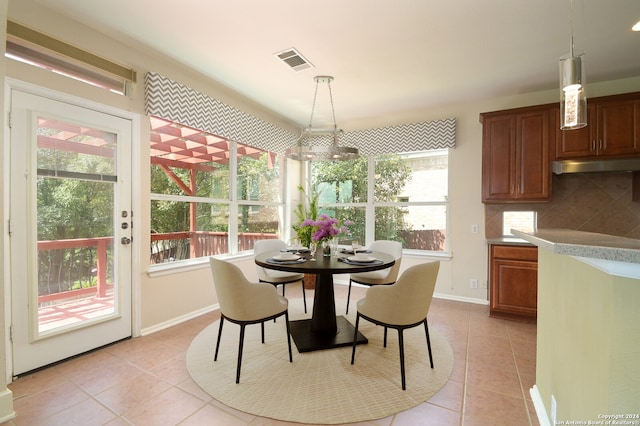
(326, 248)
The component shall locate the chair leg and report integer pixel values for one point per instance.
(215, 358)
(401, 344)
(240, 345)
(262, 331)
(304, 297)
(426, 330)
(286, 318)
(348, 296)
(355, 338)
(385, 337)
(276, 287)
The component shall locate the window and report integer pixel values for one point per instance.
(209, 195)
(524, 221)
(400, 197)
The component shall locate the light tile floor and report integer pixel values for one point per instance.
(144, 381)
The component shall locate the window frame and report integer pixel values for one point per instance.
(370, 205)
(234, 205)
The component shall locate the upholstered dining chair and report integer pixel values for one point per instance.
(384, 276)
(243, 302)
(402, 305)
(272, 276)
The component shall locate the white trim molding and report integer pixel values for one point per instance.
(6, 406)
(541, 412)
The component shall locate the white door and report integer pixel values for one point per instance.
(70, 229)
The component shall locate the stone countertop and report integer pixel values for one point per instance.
(510, 241)
(587, 245)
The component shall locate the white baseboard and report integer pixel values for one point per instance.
(6, 406)
(460, 299)
(178, 320)
(541, 412)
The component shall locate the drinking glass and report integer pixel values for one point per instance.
(313, 246)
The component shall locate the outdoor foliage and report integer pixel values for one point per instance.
(346, 182)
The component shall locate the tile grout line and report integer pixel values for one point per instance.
(466, 371)
(515, 362)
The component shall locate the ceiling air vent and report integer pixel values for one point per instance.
(294, 59)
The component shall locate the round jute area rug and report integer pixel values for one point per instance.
(319, 387)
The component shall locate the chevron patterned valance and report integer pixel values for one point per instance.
(173, 101)
(424, 136)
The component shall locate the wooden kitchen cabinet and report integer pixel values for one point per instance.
(613, 129)
(513, 282)
(516, 164)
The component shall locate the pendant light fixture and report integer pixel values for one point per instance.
(573, 95)
(306, 150)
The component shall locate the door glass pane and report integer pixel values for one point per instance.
(75, 225)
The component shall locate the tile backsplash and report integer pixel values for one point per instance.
(592, 202)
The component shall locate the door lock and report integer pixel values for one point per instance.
(125, 240)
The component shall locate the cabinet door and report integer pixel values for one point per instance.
(498, 157)
(617, 128)
(514, 287)
(532, 156)
(577, 143)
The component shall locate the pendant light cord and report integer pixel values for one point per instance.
(571, 27)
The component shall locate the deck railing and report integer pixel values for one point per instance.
(74, 268)
(172, 246)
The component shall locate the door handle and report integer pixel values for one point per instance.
(125, 240)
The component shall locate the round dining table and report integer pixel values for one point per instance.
(324, 330)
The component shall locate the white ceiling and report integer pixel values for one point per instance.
(387, 57)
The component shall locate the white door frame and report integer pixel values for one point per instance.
(13, 84)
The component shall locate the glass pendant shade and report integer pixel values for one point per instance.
(573, 95)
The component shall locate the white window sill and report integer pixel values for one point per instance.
(179, 267)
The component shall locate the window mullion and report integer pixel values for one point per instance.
(370, 221)
(233, 197)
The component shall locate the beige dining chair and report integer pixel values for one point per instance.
(384, 276)
(272, 276)
(243, 302)
(402, 305)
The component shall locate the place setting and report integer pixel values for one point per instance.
(360, 259)
(286, 258)
(359, 255)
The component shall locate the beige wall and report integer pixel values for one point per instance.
(165, 298)
(588, 346)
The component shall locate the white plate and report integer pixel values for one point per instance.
(286, 256)
(361, 258)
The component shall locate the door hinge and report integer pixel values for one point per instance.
(11, 333)
(9, 119)
(9, 227)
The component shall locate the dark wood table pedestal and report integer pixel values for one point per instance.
(324, 330)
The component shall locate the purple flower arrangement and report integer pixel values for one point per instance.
(326, 227)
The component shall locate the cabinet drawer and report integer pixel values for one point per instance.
(514, 252)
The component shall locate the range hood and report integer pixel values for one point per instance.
(585, 166)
